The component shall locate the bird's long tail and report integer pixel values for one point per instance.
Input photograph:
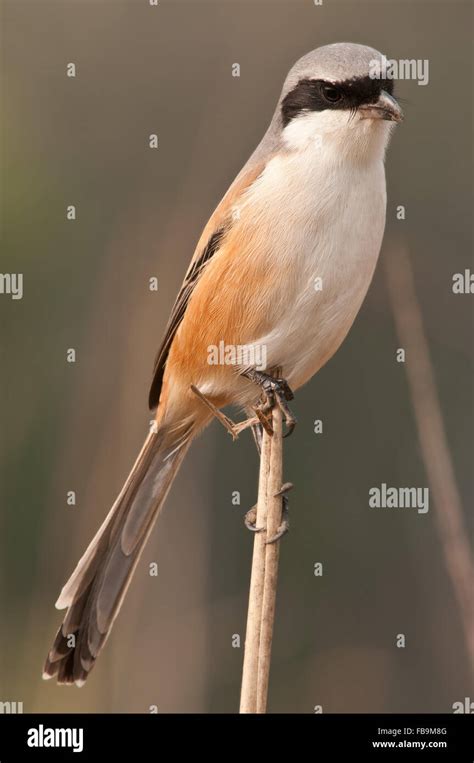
(95, 591)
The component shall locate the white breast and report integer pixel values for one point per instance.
(323, 223)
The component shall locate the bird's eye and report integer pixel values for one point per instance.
(331, 94)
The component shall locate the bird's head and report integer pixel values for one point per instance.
(334, 95)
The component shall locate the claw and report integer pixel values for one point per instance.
(290, 423)
(281, 531)
(250, 520)
(290, 419)
(284, 526)
(285, 488)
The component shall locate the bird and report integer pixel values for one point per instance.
(282, 266)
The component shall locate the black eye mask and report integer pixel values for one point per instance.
(319, 95)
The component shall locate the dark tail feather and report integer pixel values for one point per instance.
(95, 591)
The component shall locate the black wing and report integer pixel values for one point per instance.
(192, 277)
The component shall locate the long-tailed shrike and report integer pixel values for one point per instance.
(283, 264)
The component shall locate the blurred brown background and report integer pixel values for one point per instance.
(84, 141)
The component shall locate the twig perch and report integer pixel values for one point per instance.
(264, 576)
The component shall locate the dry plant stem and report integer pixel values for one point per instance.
(264, 576)
(274, 505)
(434, 446)
(263, 581)
(248, 698)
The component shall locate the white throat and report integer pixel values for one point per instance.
(339, 136)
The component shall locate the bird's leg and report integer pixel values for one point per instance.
(233, 428)
(257, 423)
(277, 392)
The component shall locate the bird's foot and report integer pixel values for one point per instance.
(276, 392)
(250, 519)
